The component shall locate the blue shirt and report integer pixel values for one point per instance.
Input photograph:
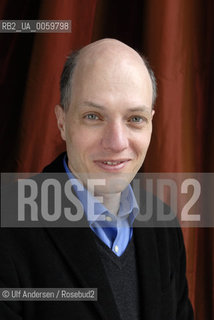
(114, 231)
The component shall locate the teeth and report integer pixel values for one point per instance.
(112, 163)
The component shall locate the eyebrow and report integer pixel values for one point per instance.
(134, 109)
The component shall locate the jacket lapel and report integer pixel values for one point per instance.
(148, 272)
(79, 249)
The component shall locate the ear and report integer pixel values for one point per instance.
(60, 117)
(153, 112)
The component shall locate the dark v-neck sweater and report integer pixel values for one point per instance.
(122, 275)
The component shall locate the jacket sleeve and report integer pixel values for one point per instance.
(9, 310)
(184, 308)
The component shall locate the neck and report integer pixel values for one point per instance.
(112, 202)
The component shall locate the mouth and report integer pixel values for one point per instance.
(112, 165)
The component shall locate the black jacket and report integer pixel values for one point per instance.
(68, 257)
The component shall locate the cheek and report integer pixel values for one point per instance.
(86, 138)
(81, 144)
(74, 136)
(141, 144)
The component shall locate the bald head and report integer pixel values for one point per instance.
(108, 57)
(108, 48)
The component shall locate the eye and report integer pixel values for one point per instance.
(91, 116)
(136, 119)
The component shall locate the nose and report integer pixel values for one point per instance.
(115, 137)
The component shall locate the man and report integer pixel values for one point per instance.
(105, 117)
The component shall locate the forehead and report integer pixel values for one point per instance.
(111, 75)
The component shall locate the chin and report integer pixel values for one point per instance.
(112, 185)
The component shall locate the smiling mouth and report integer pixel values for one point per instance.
(112, 164)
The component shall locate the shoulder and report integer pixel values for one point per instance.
(56, 165)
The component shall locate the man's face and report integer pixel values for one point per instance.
(108, 125)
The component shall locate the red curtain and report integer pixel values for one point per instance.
(177, 38)
(42, 89)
